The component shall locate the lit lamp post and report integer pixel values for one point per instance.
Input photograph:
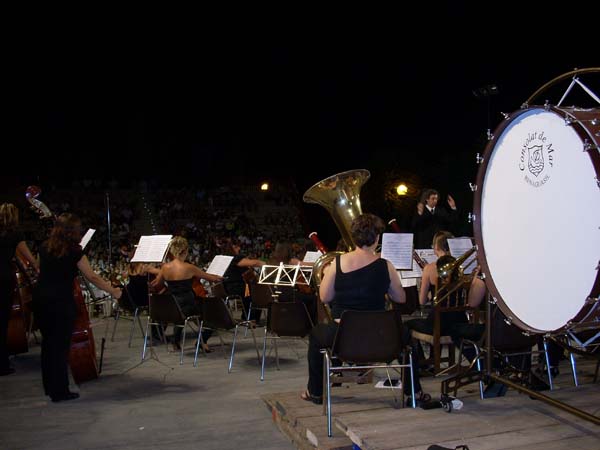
(264, 186)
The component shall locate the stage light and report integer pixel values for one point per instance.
(264, 186)
(401, 189)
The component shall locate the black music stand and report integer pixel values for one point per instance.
(151, 249)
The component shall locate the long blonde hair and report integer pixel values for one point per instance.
(9, 218)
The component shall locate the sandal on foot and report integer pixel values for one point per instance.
(311, 398)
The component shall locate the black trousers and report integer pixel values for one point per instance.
(322, 336)
(56, 323)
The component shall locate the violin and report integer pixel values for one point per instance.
(199, 289)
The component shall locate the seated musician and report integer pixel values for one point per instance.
(357, 280)
(137, 288)
(178, 275)
(234, 280)
(449, 320)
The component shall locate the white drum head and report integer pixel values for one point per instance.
(539, 220)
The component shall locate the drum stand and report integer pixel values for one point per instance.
(479, 375)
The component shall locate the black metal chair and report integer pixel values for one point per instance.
(286, 320)
(216, 316)
(127, 303)
(163, 309)
(262, 298)
(367, 340)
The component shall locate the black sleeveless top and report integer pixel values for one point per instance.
(55, 284)
(363, 289)
(182, 290)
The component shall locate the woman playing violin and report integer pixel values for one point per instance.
(12, 242)
(179, 275)
(61, 258)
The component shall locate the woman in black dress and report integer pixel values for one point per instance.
(61, 259)
(234, 282)
(12, 242)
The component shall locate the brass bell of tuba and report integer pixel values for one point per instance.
(451, 277)
(339, 194)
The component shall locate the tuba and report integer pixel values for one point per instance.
(451, 277)
(340, 195)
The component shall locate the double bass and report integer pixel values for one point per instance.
(82, 355)
(18, 324)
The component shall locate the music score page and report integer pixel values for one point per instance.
(397, 248)
(458, 247)
(86, 238)
(219, 265)
(152, 248)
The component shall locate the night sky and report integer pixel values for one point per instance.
(231, 98)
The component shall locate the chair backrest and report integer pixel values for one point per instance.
(285, 293)
(218, 290)
(164, 308)
(138, 290)
(261, 295)
(126, 301)
(216, 314)
(368, 337)
(289, 319)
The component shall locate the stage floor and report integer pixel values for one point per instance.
(366, 417)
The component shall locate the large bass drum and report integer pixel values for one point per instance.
(537, 217)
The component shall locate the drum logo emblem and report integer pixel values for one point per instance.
(535, 152)
(535, 164)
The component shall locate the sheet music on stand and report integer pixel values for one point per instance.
(219, 265)
(428, 255)
(311, 257)
(284, 275)
(86, 238)
(458, 247)
(397, 248)
(152, 248)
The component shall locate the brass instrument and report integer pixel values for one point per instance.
(340, 195)
(451, 277)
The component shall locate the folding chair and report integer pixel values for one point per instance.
(369, 340)
(217, 316)
(286, 320)
(127, 304)
(163, 309)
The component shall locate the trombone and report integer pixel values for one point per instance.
(451, 277)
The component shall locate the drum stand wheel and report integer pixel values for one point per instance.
(446, 402)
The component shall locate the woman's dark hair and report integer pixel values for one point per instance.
(227, 246)
(365, 229)
(65, 236)
(282, 253)
(428, 193)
